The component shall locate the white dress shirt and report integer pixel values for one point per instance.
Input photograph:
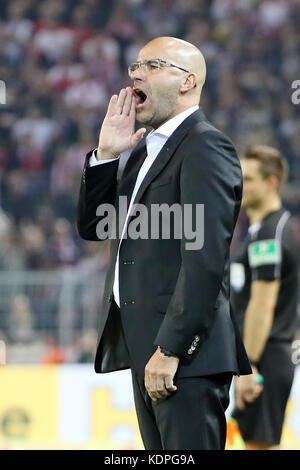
(155, 140)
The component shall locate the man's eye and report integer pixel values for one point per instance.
(153, 65)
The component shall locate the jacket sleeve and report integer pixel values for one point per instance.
(210, 175)
(98, 186)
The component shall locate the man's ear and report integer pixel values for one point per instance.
(273, 182)
(189, 82)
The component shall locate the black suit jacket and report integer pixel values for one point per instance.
(170, 296)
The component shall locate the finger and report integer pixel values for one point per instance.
(161, 391)
(257, 392)
(147, 382)
(132, 111)
(257, 389)
(239, 402)
(121, 100)
(135, 138)
(251, 395)
(151, 386)
(151, 394)
(128, 102)
(249, 398)
(170, 384)
(156, 388)
(112, 104)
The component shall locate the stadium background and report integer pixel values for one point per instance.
(60, 62)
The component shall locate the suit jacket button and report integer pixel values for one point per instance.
(190, 351)
(197, 338)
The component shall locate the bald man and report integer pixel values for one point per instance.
(165, 311)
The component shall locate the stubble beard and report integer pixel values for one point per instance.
(162, 108)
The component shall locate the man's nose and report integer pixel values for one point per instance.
(139, 73)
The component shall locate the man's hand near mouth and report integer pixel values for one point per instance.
(117, 131)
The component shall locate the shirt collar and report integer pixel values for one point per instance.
(171, 125)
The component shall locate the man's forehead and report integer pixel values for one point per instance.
(250, 165)
(152, 53)
(157, 49)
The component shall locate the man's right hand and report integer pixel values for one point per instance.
(117, 131)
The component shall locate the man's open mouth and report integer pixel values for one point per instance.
(140, 97)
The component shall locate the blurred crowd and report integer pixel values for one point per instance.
(62, 60)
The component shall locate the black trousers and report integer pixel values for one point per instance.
(192, 418)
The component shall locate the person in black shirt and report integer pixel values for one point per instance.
(264, 287)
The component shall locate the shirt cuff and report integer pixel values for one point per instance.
(94, 162)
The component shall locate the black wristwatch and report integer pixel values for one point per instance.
(165, 352)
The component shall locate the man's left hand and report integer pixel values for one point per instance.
(247, 389)
(159, 375)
